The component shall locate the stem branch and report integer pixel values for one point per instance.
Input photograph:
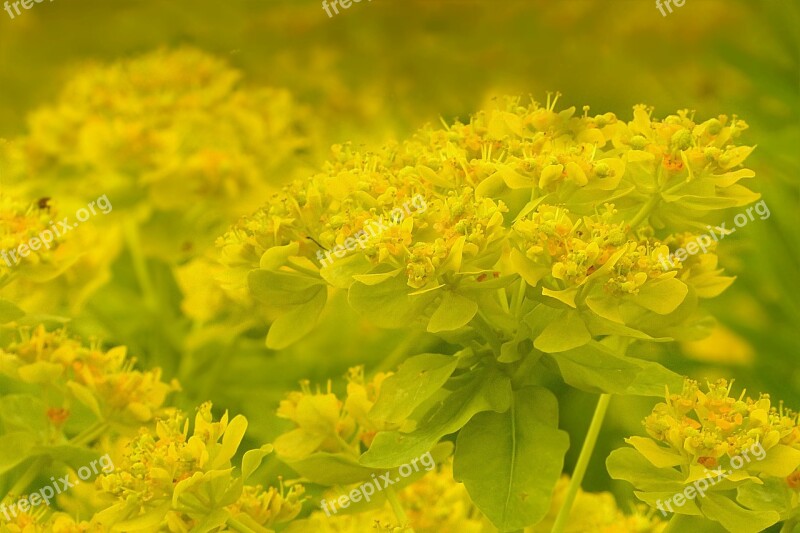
(399, 512)
(583, 462)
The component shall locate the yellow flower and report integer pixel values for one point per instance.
(102, 381)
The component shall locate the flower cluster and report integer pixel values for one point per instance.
(575, 252)
(453, 510)
(708, 425)
(581, 207)
(326, 424)
(20, 222)
(57, 523)
(172, 134)
(73, 377)
(736, 453)
(176, 479)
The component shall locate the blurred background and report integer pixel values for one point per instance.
(376, 72)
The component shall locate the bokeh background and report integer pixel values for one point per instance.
(380, 70)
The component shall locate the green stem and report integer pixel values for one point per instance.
(523, 285)
(399, 512)
(483, 327)
(131, 233)
(25, 479)
(303, 270)
(87, 435)
(678, 524)
(238, 526)
(583, 462)
(33, 470)
(645, 211)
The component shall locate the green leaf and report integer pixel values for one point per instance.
(277, 256)
(485, 389)
(331, 468)
(342, 271)
(374, 279)
(630, 465)
(252, 460)
(663, 501)
(281, 288)
(661, 296)
(566, 296)
(658, 455)
(24, 412)
(510, 462)
(115, 515)
(454, 312)
(735, 518)
(415, 381)
(653, 379)
(564, 333)
(594, 368)
(605, 307)
(69, 454)
(388, 304)
(9, 312)
(214, 520)
(231, 440)
(298, 322)
(85, 396)
(773, 495)
(15, 448)
(428, 174)
(781, 460)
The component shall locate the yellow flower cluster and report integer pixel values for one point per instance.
(325, 423)
(453, 511)
(181, 479)
(497, 170)
(708, 425)
(172, 134)
(57, 523)
(104, 382)
(270, 506)
(20, 222)
(572, 252)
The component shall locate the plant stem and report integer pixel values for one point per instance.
(483, 327)
(788, 526)
(131, 234)
(583, 462)
(86, 436)
(645, 211)
(399, 512)
(25, 479)
(238, 526)
(678, 524)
